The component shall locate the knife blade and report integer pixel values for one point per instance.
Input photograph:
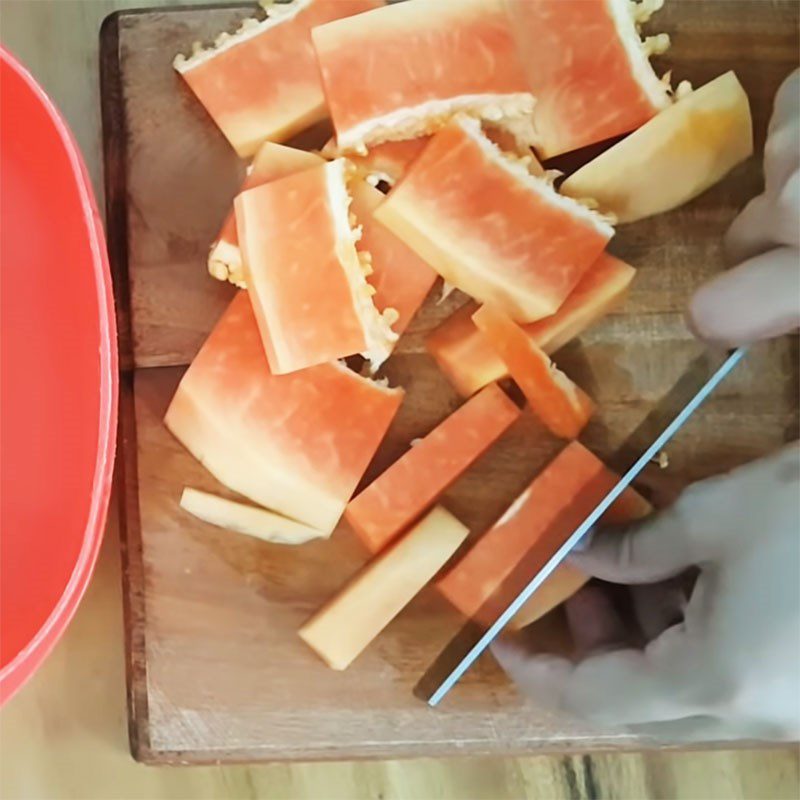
(589, 522)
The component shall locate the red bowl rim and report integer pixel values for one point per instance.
(25, 663)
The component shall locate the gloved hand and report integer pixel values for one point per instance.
(760, 297)
(731, 668)
(726, 662)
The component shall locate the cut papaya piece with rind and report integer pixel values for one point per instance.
(490, 574)
(470, 363)
(588, 69)
(490, 227)
(271, 162)
(560, 404)
(262, 81)
(423, 473)
(296, 444)
(246, 519)
(347, 623)
(401, 279)
(672, 159)
(306, 279)
(401, 71)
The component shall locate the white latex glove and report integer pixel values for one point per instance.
(760, 297)
(731, 667)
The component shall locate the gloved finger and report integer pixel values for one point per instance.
(653, 549)
(749, 233)
(787, 101)
(708, 519)
(781, 156)
(711, 518)
(612, 689)
(595, 624)
(542, 677)
(757, 300)
(773, 218)
(768, 221)
(621, 687)
(627, 687)
(786, 214)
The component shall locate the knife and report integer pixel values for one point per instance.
(544, 573)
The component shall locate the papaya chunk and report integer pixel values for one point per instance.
(672, 159)
(306, 279)
(246, 519)
(491, 228)
(262, 82)
(567, 579)
(561, 405)
(588, 69)
(271, 162)
(401, 71)
(470, 363)
(535, 525)
(401, 279)
(424, 472)
(297, 444)
(341, 630)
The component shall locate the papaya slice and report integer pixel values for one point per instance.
(401, 279)
(561, 405)
(600, 288)
(345, 625)
(470, 363)
(401, 71)
(423, 473)
(589, 69)
(491, 228)
(271, 162)
(245, 519)
(566, 579)
(262, 82)
(297, 444)
(306, 280)
(462, 353)
(535, 525)
(672, 159)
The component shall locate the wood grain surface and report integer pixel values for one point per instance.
(216, 672)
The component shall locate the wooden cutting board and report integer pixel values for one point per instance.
(215, 669)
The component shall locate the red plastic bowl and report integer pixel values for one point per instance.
(58, 377)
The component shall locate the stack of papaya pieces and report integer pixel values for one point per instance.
(452, 105)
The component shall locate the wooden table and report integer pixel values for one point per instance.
(64, 735)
